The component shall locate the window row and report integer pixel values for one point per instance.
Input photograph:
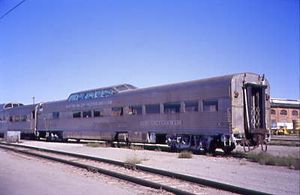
(92, 94)
(285, 112)
(167, 108)
(18, 118)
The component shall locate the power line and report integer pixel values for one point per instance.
(6, 13)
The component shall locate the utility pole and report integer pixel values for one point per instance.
(33, 100)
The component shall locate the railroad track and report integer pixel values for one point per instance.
(290, 138)
(142, 175)
(285, 140)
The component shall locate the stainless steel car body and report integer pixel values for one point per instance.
(187, 114)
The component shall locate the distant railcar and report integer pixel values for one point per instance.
(198, 115)
(16, 116)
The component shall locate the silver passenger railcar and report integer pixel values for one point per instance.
(17, 117)
(199, 115)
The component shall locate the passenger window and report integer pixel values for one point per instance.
(23, 118)
(152, 108)
(55, 115)
(117, 111)
(210, 105)
(87, 114)
(135, 110)
(76, 114)
(16, 118)
(172, 107)
(191, 106)
(98, 113)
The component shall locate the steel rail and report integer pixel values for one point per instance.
(103, 171)
(201, 181)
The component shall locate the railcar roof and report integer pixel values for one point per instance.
(202, 81)
(126, 88)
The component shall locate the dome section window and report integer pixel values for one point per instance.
(100, 93)
(104, 93)
(89, 95)
(73, 97)
(8, 105)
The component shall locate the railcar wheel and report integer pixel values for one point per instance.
(228, 149)
(246, 145)
(173, 148)
(263, 144)
(212, 147)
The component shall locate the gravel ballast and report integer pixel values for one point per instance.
(240, 172)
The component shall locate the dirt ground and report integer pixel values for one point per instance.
(20, 174)
(278, 150)
(240, 172)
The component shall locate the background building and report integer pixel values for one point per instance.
(285, 113)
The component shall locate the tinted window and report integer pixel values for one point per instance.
(210, 105)
(117, 111)
(16, 118)
(73, 97)
(8, 105)
(191, 106)
(172, 107)
(152, 108)
(135, 110)
(87, 114)
(76, 114)
(295, 113)
(98, 113)
(89, 95)
(104, 93)
(23, 118)
(55, 115)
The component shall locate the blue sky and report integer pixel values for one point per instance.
(51, 48)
